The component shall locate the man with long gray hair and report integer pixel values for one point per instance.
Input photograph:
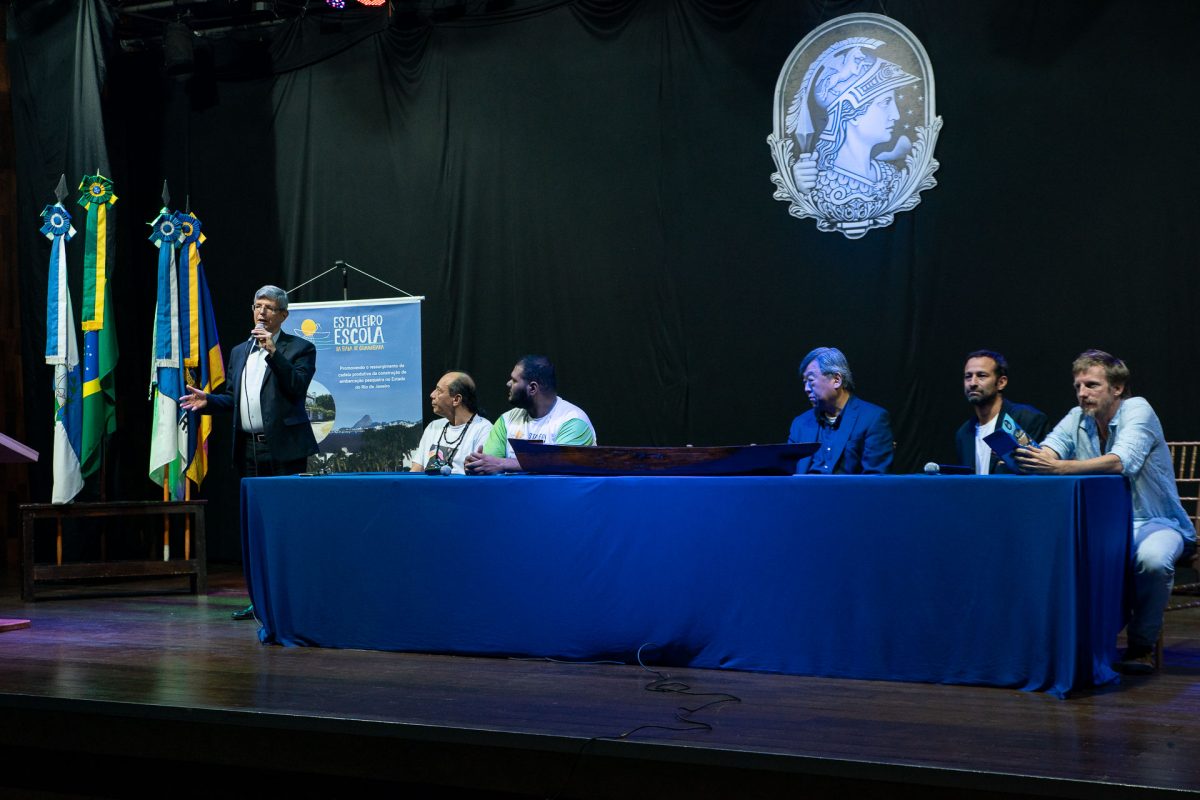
(854, 435)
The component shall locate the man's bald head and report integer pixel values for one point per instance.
(460, 383)
(454, 397)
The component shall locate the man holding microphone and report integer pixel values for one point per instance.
(267, 385)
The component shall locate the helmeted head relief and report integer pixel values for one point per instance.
(843, 81)
(855, 78)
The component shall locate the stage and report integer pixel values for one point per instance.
(163, 695)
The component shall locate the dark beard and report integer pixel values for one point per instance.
(520, 400)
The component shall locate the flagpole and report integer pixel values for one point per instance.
(166, 517)
(187, 522)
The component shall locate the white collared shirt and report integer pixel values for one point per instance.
(252, 380)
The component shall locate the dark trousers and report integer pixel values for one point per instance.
(257, 462)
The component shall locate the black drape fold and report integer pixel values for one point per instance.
(58, 53)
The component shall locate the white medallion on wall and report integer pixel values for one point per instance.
(855, 125)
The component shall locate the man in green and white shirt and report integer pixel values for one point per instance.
(539, 414)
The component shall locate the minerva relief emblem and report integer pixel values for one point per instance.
(855, 125)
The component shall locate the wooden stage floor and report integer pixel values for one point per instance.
(164, 695)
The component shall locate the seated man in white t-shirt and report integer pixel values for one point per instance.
(447, 442)
(538, 414)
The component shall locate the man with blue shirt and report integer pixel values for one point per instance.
(854, 435)
(1116, 434)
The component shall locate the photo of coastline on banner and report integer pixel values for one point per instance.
(365, 402)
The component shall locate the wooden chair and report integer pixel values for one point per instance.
(1186, 592)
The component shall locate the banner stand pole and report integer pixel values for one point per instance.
(344, 267)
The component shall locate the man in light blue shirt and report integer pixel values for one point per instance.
(1113, 433)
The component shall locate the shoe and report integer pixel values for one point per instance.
(1137, 660)
(245, 613)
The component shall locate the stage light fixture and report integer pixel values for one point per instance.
(336, 3)
(372, 2)
(178, 57)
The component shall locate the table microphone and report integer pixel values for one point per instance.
(445, 470)
(947, 469)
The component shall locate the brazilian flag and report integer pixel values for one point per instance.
(99, 328)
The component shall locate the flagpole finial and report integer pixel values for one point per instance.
(60, 191)
(166, 196)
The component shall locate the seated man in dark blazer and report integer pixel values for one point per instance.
(854, 435)
(985, 377)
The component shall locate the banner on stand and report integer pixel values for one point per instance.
(366, 401)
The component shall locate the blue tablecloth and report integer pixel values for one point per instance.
(1004, 581)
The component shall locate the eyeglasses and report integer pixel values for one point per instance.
(266, 309)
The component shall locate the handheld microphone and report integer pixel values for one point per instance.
(254, 342)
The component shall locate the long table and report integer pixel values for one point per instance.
(1011, 581)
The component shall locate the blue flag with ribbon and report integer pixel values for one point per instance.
(62, 351)
(168, 434)
(203, 366)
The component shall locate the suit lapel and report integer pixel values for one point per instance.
(842, 434)
(282, 345)
(267, 377)
(237, 371)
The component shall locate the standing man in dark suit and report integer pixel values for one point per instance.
(985, 377)
(855, 436)
(267, 386)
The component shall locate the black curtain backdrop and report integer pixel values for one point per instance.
(591, 180)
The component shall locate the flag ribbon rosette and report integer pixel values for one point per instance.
(95, 195)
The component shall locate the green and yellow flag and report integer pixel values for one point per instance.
(99, 329)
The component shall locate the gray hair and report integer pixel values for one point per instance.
(464, 384)
(274, 294)
(830, 361)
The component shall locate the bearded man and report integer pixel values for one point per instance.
(538, 414)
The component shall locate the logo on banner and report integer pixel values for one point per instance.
(350, 332)
(311, 329)
(855, 125)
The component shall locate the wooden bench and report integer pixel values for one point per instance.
(192, 565)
